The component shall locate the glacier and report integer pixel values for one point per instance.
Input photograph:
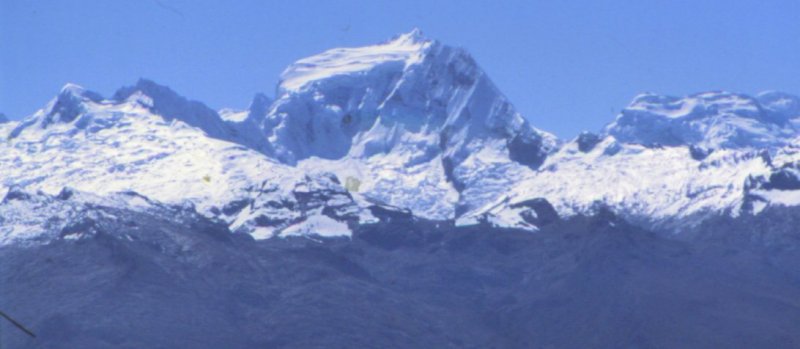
(418, 123)
(390, 195)
(408, 125)
(711, 120)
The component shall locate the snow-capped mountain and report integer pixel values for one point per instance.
(27, 218)
(410, 125)
(710, 120)
(126, 144)
(417, 123)
(668, 161)
(246, 124)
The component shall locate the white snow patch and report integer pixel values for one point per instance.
(321, 225)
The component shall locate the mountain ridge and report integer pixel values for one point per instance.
(412, 124)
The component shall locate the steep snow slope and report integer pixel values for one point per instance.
(672, 162)
(417, 123)
(101, 146)
(643, 184)
(72, 103)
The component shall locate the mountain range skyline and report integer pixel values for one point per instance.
(568, 67)
(419, 126)
(392, 195)
(230, 110)
(419, 34)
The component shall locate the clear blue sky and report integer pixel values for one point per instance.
(566, 65)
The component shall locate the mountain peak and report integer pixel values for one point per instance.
(712, 119)
(160, 94)
(65, 108)
(69, 104)
(259, 106)
(172, 106)
(75, 90)
(360, 101)
(72, 88)
(415, 36)
(402, 50)
(412, 104)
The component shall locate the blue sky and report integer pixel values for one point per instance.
(566, 65)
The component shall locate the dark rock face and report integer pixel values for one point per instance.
(389, 214)
(142, 281)
(16, 194)
(784, 179)
(320, 193)
(69, 105)
(527, 151)
(234, 207)
(587, 141)
(540, 212)
(335, 201)
(699, 153)
(259, 107)
(449, 168)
